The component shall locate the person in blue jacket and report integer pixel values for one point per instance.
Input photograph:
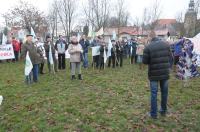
(85, 44)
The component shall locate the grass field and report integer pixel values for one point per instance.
(112, 100)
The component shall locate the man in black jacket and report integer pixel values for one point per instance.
(157, 56)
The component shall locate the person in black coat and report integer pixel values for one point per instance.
(113, 56)
(119, 51)
(157, 56)
(134, 47)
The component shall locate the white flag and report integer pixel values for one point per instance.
(100, 32)
(109, 47)
(33, 33)
(34, 36)
(28, 65)
(4, 40)
(114, 35)
(105, 56)
(50, 55)
(131, 50)
(1, 99)
(78, 37)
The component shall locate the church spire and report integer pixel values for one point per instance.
(191, 5)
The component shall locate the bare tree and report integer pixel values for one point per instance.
(53, 18)
(122, 14)
(153, 14)
(97, 13)
(66, 11)
(197, 7)
(179, 26)
(26, 15)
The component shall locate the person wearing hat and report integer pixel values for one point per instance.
(47, 50)
(30, 47)
(113, 56)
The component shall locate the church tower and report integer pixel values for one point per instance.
(190, 20)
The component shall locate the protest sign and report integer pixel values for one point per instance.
(95, 50)
(6, 52)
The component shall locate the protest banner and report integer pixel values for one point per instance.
(6, 52)
(95, 51)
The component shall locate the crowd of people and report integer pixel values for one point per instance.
(78, 49)
(156, 54)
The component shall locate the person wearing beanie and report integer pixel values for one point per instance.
(75, 50)
(46, 47)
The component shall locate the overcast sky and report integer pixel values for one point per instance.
(169, 7)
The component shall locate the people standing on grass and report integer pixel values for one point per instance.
(157, 56)
(85, 45)
(75, 50)
(139, 53)
(16, 48)
(47, 46)
(30, 47)
(61, 47)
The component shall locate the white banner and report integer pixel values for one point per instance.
(6, 52)
(95, 50)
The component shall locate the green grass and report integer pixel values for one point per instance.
(112, 100)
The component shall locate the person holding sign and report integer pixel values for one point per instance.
(75, 50)
(61, 47)
(31, 48)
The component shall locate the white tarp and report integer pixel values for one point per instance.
(196, 42)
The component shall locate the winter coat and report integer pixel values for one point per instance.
(102, 51)
(157, 56)
(16, 45)
(33, 52)
(61, 46)
(85, 44)
(46, 47)
(75, 51)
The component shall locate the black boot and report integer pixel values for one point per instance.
(73, 77)
(80, 77)
(41, 68)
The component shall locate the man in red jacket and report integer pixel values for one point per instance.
(16, 48)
